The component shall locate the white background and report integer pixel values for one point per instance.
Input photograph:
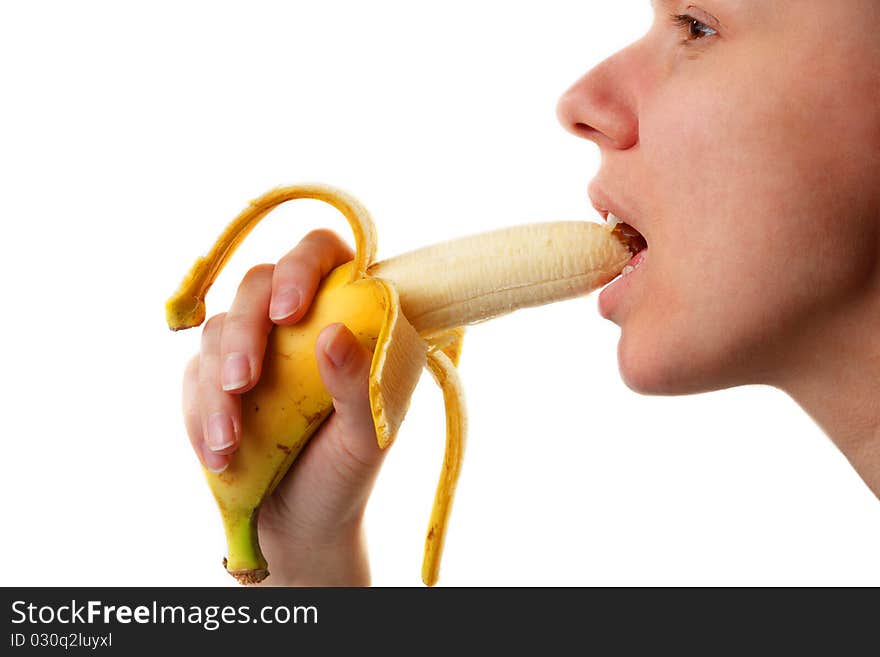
(130, 134)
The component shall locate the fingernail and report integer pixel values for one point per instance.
(284, 304)
(236, 372)
(220, 432)
(214, 462)
(339, 347)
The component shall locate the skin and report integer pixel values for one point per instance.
(745, 147)
(755, 178)
(311, 527)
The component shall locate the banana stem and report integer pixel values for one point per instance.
(245, 561)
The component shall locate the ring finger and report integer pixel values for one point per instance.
(220, 411)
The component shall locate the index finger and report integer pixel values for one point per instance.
(298, 274)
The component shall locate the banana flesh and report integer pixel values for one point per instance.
(480, 277)
(410, 311)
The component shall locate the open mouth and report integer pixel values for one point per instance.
(633, 239)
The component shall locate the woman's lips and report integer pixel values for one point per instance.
(635, 261)
(612, 295)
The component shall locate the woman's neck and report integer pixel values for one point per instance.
(834, 375)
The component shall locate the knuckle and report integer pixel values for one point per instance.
(191, 371)
(258, 273)
(190, 376)
(214, 324)
(299, 267)
(322, 236)
(192, 418)
(211, 332)
(353, 462)
(326, 243)
(238, 328)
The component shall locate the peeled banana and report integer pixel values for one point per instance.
(410, 311)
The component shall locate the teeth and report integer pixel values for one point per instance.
(629, 269)
(612, 221)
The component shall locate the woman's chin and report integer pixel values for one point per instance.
(648, 366)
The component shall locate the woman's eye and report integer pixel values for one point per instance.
(692, 28)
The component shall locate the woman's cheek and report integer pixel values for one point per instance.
(719, 244)
(753, 229)
(710, 316)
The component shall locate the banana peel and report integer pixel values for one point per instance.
(410, 311)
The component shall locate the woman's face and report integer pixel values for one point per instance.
(743, 141)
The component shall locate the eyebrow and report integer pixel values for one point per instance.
(654, 3)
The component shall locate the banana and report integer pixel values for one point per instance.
(410, 311)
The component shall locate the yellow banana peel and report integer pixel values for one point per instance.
(410, 311)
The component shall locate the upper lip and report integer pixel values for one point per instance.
(605, 203)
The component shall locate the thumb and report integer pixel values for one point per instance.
(344, 366)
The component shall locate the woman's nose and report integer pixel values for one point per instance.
(601, 106)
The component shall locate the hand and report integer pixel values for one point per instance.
(311, 527)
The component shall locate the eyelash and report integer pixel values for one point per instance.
(689, 24)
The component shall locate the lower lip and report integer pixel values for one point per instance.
(612, 294)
